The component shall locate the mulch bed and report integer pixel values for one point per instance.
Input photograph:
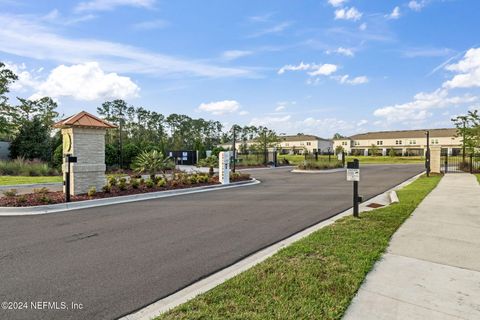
(46, 198)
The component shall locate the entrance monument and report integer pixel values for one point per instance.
(84, 139)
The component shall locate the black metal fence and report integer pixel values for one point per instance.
(253, 159)
(461, 163)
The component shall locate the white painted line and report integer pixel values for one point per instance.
(64, 207)
(163, 305)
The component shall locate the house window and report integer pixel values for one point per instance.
(344, 143)
(412, 142)
(309, 143)
(434, 141)
(379, 143)
(398, 142)
(357, 143)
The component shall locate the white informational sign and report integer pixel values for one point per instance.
(208, 153)
(224, 167)
(339, 156)
(353, 174)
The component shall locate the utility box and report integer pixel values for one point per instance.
(224, 167)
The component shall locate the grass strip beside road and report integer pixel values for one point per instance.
(478, 177)
(314, 278)
(15, 180)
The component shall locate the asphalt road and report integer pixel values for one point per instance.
(113, 260)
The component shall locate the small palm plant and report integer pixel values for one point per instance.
(209, 162)
(151, 162)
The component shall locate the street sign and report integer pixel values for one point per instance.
(353, 174)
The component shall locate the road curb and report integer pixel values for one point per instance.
(65, 207)
(191, 291)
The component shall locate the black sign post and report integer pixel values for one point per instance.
(68, 159)
(353, 174)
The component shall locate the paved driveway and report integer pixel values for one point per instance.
(116, 259)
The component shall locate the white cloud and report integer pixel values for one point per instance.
(343, 51)
(270, 122)
(421, 107)
(427, 52)
(151, 24)
(105, 5)
(278, 28)
(85, 82)
(29, 38)
(235, 54)
(26, 79)
(468, 69)
(417, 5)
(220, 107)
(348, 14)
(323, 70)
(363, 26)
(55, 17)
(315, 69)
(337, 3)
(362, 123)
(345, 79)
(395, 13)
(282, 105)
(289, 67)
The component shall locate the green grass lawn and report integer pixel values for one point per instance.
(296, 159)
(316, 277)
(13, 180)
(478, 177)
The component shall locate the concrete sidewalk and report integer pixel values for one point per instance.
(432, 266)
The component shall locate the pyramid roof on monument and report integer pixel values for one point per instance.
(84, 119)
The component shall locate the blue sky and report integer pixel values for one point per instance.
(317, 67)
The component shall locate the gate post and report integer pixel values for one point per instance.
(435, 159)
(446, 163)
(471, 163)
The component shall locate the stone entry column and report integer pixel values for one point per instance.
(84, 137)
(435, 159)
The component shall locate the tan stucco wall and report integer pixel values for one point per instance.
(418, 142)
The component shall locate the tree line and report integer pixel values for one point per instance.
(28, 126)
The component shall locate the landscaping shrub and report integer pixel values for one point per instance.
(209, 162)
(112, 181)
(151, 162)
(22, 167)
(161, 183)
(149, 183)
(107, 188)
(134, 183)
(22, 199)
(319, 165)
(122, 185)
(92, 191)
(43, 198)
(10, 193)
(42, 190)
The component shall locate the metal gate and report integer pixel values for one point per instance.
(460, 163)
